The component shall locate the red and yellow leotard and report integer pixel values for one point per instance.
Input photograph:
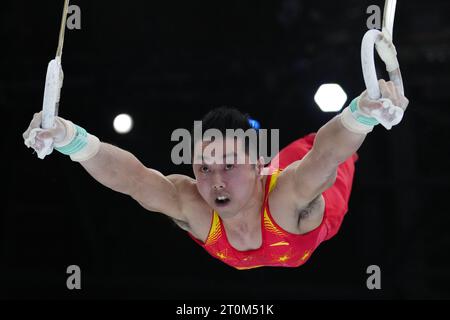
(281, 248)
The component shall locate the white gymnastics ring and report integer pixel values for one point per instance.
(382, 41)
(53, 84)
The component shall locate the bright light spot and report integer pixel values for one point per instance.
(123, 123)
(330, 97)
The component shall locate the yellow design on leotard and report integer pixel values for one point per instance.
(216, 231)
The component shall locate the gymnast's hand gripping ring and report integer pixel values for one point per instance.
(53, 85)
(382, 41)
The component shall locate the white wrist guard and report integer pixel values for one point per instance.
(77, 143)
(353, 120)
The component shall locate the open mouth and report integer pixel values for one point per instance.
(222, 201)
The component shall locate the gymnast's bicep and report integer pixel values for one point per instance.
(158, 193)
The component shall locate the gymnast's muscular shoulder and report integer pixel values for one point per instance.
(177, 197)
(196, 211)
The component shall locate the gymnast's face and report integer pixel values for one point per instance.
(225, 177)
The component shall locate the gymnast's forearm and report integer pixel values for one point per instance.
(336, 142)
(115, 168)
(111, 166)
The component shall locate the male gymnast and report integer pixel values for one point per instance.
(237, 212)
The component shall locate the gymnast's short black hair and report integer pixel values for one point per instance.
(223, 118)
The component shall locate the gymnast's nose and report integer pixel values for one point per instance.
(218, 183)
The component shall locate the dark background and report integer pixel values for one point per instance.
(167, 63)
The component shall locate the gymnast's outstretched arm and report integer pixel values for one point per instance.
(113, 167)
(338, 140)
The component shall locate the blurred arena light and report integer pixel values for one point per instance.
(123, 123)
(330, 97)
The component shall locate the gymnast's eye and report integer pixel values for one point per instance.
(229, 166)
(204, 169)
